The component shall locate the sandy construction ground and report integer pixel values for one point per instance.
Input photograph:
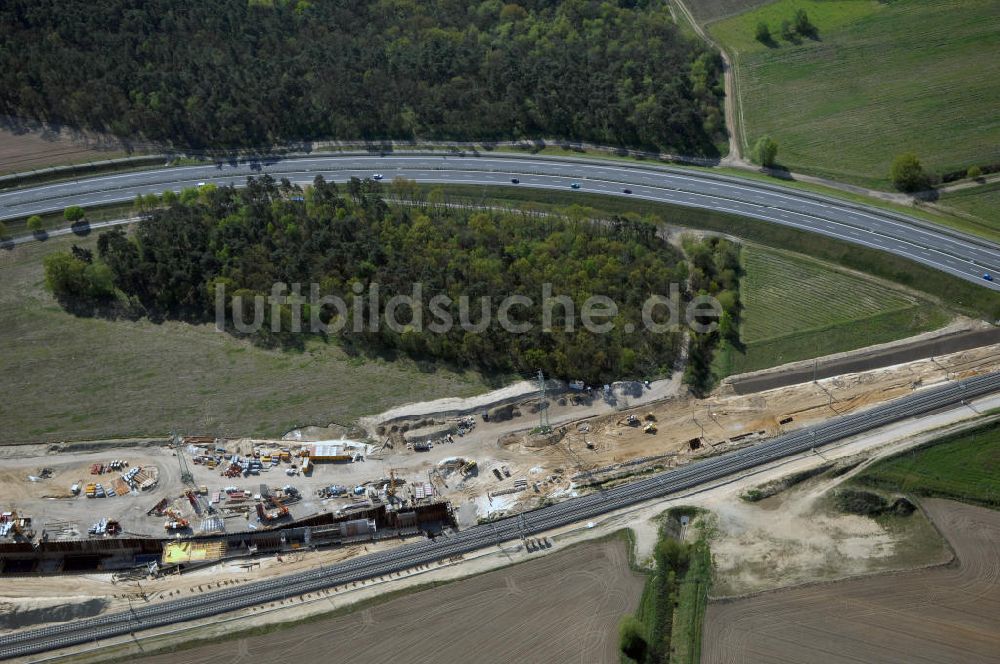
(560, 608)
(943, 614)
(642, 520)
(600, 443)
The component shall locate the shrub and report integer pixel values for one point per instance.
(632, 638)
(73, 213)
(908, 174)
(765, 151)
(864, 503)
(763, 34)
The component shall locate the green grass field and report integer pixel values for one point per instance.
(881, 79)
(711, 10)
(796, 308)
(981, 202)
(76, 378)
(964, 466)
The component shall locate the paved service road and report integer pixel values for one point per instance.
(942, 249)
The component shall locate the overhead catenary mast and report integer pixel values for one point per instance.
(543, 405)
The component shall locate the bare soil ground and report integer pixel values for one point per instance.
(29, 150)
(798, 537)
(51, 596)
(943, 614)
(604, 441)
(559, 608)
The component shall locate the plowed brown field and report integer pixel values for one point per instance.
(563, 607)
(937, 615)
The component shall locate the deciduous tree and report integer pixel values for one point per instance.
(908, 174)
(765, 151)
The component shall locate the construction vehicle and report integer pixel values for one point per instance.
(178, 524)
(273, 515)
(469, 468)
(20, 526)
(632, 421)
(650, 417)
(158, 508)
(650, 428)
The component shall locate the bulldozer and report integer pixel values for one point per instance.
(649, 428)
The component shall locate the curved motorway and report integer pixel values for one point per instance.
(943, 249)
(30, 642)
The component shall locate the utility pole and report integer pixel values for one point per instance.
(543, 405)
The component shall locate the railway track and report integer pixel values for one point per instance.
(409, 556)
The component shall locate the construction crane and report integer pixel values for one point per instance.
(186, 475)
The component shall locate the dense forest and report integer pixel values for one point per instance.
(238, 73)
(346, 238)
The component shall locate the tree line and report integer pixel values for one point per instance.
(346, 238)
(234, 73)
(715, 271)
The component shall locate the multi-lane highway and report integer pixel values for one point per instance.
(425, 552)
(943, 249)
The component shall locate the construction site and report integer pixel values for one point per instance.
(188, 501)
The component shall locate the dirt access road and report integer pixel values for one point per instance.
(563, 607)
(942, 614)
